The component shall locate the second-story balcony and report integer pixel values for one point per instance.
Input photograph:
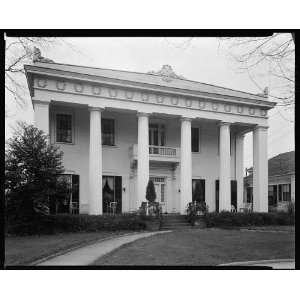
(159, 153)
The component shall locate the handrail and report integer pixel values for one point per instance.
(162, 150)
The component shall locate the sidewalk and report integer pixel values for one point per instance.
(88, 254)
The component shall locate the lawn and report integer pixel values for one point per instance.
(26, 249)
(203, 247)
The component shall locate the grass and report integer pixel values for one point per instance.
(203, 247)
(26, 249)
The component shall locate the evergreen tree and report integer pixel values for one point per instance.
(150, 191)
(31, 168)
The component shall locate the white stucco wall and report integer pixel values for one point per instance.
(116, 160)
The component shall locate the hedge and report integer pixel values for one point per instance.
(228, 219)
(52, 224)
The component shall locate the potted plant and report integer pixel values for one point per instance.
(196, 212)
(152, 213)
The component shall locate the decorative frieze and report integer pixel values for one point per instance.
(188, 102)
(61, 85)
(159, 99)
(174, 100)
(113, 92)
(227, 107)
(251, 111)
(263, 112)
(214, 106)
(129, 94)
(240, 109)
(145, 97)
(202, 104)
(42, 82)
(151, 97)
(78, 87)
(96, 90)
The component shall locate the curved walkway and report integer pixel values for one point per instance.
(88, 254)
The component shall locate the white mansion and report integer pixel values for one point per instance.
(118, 129)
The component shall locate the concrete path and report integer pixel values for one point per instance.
(274, 263)
(88, 254)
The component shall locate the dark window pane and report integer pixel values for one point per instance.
(198, 190)
(63, 194)
(118, 194)
(63, 128)
(75, 194)
(280, 192)
(195, 139)
(108, 132)
(234, 193)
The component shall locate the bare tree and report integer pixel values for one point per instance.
(19, 51)
(277, 53)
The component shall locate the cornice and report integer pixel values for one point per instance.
(37, 70)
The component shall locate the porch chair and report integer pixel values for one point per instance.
(112, 207)
(247, 207)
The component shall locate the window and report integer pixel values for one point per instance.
(286, 192)
(198, 190)
(108, 132)
(249, 194)
(64, 128)
(157, 135)
(195, 139)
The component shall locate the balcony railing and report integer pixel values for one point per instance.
(161, 150)
(160, 153)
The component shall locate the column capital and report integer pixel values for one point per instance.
(222, 123)
(94, 108)
(38, 101)
(257, 127)
(182, 119)
(142, 114)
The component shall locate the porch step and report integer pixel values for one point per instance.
(174, 221)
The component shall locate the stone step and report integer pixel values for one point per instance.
(174, 221)
(175, 227)
(176, 224)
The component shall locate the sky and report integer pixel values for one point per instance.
(200, 59)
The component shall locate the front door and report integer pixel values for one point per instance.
(112, 194)
(160, 190)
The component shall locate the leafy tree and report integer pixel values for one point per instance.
(31, 167)
(150, 191)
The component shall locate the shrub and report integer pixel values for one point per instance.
(195, 209)
(150, 191)
(52, 224)
(228, 219)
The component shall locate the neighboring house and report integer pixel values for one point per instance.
(281, 190)
(118, 129)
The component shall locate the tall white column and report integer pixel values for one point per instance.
(224, 187)
(239, 167)
(41, 115)
(143, 157)
(260, 169)
(185, 165)
(95, 162)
